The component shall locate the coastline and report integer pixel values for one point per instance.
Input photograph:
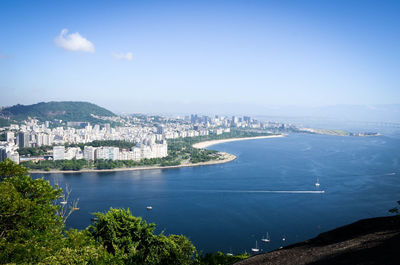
(206, 144)
(227, 157)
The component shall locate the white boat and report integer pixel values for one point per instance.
(63, 203)
(149, 208)
(256, 249)
(317, 183)
(266, 239)
(283, 239)
(230, 253)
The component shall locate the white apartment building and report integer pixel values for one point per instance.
(58, 153)
(89, 153)
(73, 152)
(9, 151)
(107, 152)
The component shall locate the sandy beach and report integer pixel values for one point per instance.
(226, 157)
(213, 142)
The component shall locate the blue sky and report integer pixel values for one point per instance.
(180, 56)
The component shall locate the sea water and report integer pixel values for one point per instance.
(270, 187)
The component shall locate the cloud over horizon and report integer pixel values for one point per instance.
(122, 56)
(73, 42)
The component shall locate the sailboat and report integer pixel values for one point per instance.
(317, 183)
(266, 239)
(256, 249)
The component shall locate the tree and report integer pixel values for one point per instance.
(10, 169)
(32, 224)
(121, 232)
(29, 227)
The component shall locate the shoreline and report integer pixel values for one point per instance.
(206, 144)
(227, 157)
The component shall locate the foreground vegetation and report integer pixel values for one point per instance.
(180, 151)
(32, 230)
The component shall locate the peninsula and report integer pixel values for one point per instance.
(222, 157)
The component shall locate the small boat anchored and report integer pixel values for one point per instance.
(266, 239)
(317, 183)
(230, 253)
(149, 208)
(256, 249)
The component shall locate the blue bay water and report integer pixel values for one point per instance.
(218, 209)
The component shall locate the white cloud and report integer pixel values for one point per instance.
(122, 56)
(73, 42)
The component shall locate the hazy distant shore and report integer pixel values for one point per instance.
(226, 157)
(206, 144)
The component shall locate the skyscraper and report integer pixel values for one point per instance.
(23, 139)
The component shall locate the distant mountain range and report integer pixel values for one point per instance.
(62, 110)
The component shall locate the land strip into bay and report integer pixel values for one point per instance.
(223, 157)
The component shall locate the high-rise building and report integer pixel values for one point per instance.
(10, 137)
(23, 139)
(3, 153)
(58, 153)
(89, 153)
(107, 152)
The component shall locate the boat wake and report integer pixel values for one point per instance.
(262, 191)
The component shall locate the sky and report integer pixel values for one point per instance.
(185, 56)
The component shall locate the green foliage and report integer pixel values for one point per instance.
(98, 143)
(4, 123)
(221, 258)
(10, 169)
(64, 110)
(34, 151)
(74, 164)
(121, 232)
(79, 247)
(29, 227)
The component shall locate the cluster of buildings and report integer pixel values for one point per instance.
(141, 151)
(149, 133)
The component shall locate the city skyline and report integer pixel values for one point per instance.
(175, 56)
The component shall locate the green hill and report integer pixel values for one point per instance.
(63, 110)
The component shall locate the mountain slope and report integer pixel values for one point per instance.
(369, 241)
(63, 110)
